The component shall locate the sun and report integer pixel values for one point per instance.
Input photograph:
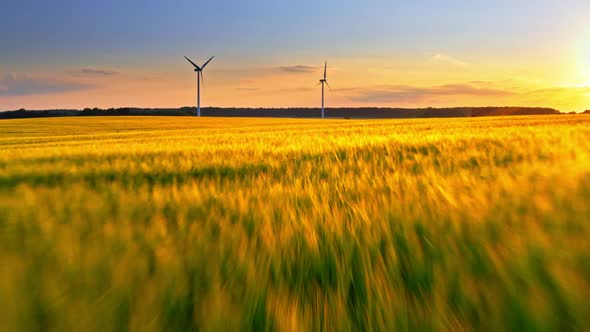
(581, 60)
(585, 61)
(586, 67)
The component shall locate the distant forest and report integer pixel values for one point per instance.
(346, 113)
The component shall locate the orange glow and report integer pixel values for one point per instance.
(431, 80)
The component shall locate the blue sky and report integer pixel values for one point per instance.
(59, 31)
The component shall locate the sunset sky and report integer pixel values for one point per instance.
(269, 53)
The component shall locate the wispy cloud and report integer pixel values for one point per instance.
(24, 85)
(413, 94)
(298, 89)
(438, 57)
(298, 69)
(559, 93)
(490, 93)
(559, 90)
(95, 71)
(481, 82)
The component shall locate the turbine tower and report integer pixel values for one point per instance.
(322, 82)
(199, 71)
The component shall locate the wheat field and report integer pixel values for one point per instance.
(229, 224)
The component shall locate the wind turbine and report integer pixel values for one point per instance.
(322, 82)
(199, 71)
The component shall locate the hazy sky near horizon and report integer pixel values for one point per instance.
(76, 54)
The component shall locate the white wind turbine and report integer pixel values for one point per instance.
(199, 71)
(322, 82)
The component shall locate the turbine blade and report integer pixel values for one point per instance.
(202, 78)
(189, 60)
(206, 63)
(318, 84)
(325, 69)
(328, 86)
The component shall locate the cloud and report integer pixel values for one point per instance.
(299, 89)
(448, 59)
(247, 89)
(404, 93)
(570, 98)
(564, 94)
(24, 85)
(298, 69)
(561, 90)
(481, 82)
(94, 71)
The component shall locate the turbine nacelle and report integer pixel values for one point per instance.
(197, 68)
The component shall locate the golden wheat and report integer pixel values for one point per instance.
(176, 223)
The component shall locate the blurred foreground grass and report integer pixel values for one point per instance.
(182, 224)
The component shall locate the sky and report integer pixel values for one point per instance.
(270, 53)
